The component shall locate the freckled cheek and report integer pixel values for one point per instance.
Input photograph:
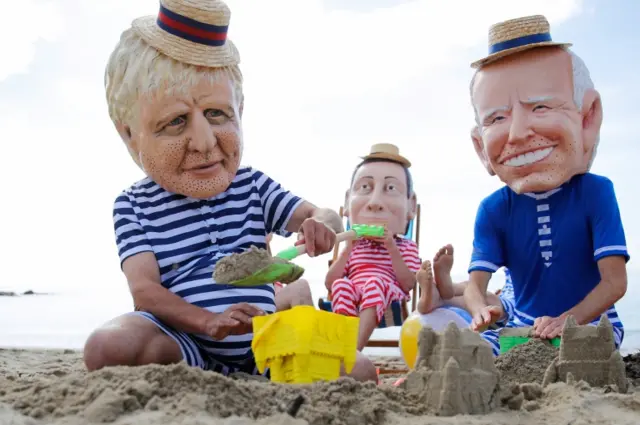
(230, 144)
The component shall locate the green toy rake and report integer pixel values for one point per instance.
(281, 270)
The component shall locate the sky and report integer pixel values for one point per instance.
(323, 82)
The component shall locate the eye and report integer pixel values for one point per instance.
(497, 118)
(214, 113)
(364, 187)
(391, 187)
(177, 121)
(540, 108)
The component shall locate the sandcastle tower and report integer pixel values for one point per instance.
(455, 372)
(588, 353)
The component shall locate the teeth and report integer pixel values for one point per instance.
(528, 158)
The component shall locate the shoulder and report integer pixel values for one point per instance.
(140, 189)
(495, 203)
(593, 182)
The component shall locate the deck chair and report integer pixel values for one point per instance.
(398, 311)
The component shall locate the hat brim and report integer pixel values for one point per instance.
(499, 55)
(183, 50)
(389, 156)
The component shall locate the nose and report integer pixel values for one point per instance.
(203, 140)
(520, 129)
(375, 203)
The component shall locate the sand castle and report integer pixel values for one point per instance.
(588, 353)
(454, 372)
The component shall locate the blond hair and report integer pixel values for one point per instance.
(136, 69)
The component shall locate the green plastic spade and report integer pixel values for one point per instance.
(281, 270)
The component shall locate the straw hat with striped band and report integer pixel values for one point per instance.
(191, 31)
(387, 151)
(517, 35)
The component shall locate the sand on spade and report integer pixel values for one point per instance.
(238, 266)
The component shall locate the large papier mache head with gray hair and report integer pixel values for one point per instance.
(538, 115)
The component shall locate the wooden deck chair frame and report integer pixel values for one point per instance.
(390, 316)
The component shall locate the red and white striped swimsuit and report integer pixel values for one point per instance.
(370, 280)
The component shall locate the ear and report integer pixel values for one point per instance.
(413, 207)
(591, 123)
(478, 145)
(129, 140)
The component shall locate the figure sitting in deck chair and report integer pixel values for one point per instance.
(370, 274)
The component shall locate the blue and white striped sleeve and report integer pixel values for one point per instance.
(278, 204)
(487, 247)
(606, 224)
(130, 236)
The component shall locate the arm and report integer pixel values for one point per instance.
(475, 292)
(285, 212)
(143, 276)
(338, 268)
(405, 261)
(141, 269)
(612, 287)
(307, 210)
(487, 256)
(610, 252)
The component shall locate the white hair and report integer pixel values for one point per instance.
(136, 69)
(581, 83)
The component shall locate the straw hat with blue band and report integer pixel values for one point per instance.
(191, 31)
(517, 35)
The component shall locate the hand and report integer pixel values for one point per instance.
(546, 327)
(388, 239)
(317, 237)
(487, 316)
(236, 320)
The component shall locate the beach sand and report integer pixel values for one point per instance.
(53, 387)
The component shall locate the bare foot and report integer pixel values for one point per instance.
(442, 264)
(429, 295)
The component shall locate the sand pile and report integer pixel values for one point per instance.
(632, 367)
(525, 363)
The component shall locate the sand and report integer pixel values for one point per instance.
(52, 387)
(238, 266)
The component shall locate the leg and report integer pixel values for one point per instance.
(429, 295)
(492, 337)
(375, 300)
(442, 264)
(364, 369)
(344, 297)
(294, 294)
(137, 339)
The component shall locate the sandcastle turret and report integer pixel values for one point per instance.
(455, 372)
(588, 353)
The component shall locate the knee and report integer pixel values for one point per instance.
(109, 347)
(364, 370)
(340, 287)
(303, 292)
(374, 284)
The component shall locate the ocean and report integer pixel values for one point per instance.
(65, 320)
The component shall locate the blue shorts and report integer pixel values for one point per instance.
(194, 355)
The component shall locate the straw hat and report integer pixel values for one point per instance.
(517, 35)
(191, 31)
(387, 151)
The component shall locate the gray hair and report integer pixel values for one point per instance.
(581, 83)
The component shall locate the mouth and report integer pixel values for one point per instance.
(528, 158)
(205, 168)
